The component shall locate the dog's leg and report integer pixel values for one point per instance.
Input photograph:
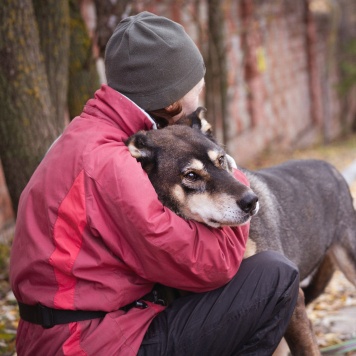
(299, 335)
(320, 280)
(346, 262)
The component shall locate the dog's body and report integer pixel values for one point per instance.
(306, 210)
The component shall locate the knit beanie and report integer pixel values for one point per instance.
(152, 60)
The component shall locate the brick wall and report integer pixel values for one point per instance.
(290, 98)
(282, 72)
(269, 84)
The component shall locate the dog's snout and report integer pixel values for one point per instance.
(248, 203)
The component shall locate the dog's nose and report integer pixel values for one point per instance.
(248, 203)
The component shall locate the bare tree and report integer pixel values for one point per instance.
(28, 122)
(109, 14)
(46, 57)
(83, 75)
(53, 23)
(216, 73)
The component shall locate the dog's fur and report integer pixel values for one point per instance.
(306, 210)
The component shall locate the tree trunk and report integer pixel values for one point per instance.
(216, 72)
(27, 127)
(109, 13)
(83, 75)
(53, 25)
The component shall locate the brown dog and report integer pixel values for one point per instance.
(306, 210)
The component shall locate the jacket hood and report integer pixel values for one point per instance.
(114, 107)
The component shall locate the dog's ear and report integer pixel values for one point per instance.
(141, 147)
(205, 127)
(197, 120)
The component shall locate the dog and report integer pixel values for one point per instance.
(302, 208)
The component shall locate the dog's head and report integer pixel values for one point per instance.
(192, 176)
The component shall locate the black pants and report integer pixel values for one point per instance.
(248, 316)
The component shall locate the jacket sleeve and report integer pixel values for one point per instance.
(153, 241)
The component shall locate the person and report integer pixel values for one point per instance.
(92, 239)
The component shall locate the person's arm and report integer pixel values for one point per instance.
(153, 241)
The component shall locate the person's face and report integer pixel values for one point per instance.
(190, 101)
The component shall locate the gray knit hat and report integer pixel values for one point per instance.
(152, 61)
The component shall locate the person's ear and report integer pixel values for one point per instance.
(173, 107)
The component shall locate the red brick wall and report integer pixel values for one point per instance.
(285, 101)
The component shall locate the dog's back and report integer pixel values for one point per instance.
(306, 210)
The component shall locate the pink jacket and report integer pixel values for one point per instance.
(92, 235)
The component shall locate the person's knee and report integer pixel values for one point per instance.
(276, 268)
(275, 258)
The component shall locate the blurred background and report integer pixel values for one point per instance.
(281, 77)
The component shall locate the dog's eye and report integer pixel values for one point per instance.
(221, 161)
(191, 176)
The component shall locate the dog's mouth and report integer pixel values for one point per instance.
(214, 222)
(242, 221)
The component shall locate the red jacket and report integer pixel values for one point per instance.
(92, 235)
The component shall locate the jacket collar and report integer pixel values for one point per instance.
(110, 105)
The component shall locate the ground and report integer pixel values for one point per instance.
(333, 314)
